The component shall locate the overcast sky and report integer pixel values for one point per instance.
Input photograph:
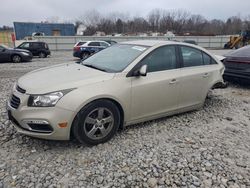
(40, 10)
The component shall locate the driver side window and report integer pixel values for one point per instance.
(25, 45)
(163, 58)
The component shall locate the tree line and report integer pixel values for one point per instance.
(180, 22)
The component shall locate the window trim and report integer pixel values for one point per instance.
(211, 59)
(93, 46)
(202, 52)
(139, 64)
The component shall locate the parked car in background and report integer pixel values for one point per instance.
(79, 43)
(191, 42)
(124, 84)
(111, 42)
(40, 49)
(14, 55)
(237, 64)
(89, 48)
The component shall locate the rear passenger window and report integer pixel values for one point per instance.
(35, 45)
(191, 56)
(207, 60)
(163, 58)
(104, 44)
(94, 44)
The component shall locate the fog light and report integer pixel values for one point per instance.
(63, 124)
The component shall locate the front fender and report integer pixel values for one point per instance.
(80, 97)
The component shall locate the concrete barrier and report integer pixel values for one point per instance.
(67, 42)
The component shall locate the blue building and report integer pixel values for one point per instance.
(24, 29)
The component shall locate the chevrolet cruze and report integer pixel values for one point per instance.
(125, 84)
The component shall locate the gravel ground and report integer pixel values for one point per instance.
(205, 148)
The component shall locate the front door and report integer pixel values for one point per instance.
(158, 92)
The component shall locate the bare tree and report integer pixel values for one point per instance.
(154, 19)
(178, 21)
(90, 18)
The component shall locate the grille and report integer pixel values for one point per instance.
(42, 128)
(14, 102)
(19, 89)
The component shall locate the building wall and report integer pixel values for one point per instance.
(5, 38)
(23, 29)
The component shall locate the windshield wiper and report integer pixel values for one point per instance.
(94, 67)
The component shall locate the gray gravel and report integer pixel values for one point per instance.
(205, 148)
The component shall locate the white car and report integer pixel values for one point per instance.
(124, 84)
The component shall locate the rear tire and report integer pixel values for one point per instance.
(42, 55)
(96, 123)
(16, 59)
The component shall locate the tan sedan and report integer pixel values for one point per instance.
(127, 83)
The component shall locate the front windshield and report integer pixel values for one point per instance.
(115, 58)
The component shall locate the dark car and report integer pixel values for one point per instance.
(40, 49)
(111, 42)
(190, 42)
(237, 64)
(14, 55)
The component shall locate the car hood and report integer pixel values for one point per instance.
(20, 50)
(60, 77)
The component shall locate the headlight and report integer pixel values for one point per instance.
(47, 100)
(24, 53)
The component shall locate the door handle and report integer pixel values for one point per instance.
(173, 81)
(205, 75)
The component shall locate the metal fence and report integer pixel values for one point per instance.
(67, 42)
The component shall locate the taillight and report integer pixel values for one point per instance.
(222, 69)
(76, 48)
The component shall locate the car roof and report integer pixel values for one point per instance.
(33, 42)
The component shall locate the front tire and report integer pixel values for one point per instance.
(96, 123)
(16, 59)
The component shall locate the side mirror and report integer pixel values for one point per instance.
(142, 71)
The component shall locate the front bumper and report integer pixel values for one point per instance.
(27, 58)
(50, 117)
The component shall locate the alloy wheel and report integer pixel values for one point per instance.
(98, 123)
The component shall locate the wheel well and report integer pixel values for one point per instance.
(14, 55)
(109, 99)
(17, 55)
(220, 84)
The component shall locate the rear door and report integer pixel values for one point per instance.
(196, 76)
(94, 47)
(158, 91)
(36, 48)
